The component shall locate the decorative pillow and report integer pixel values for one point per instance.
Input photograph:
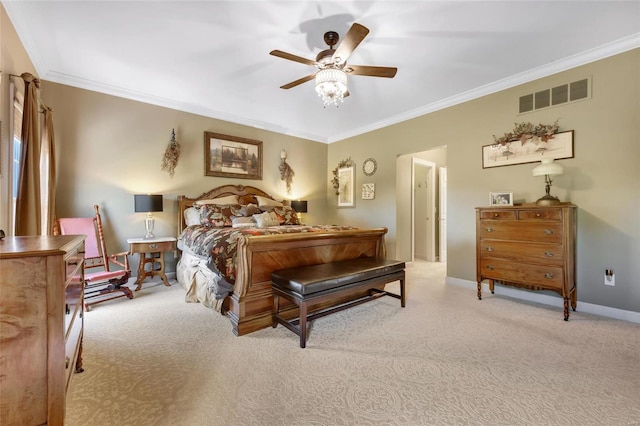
(266, 219)
(243, 222)
(286, 215)
(264, 201)
(229, 199)
(218, 215)
(191, 216)
(249, 210)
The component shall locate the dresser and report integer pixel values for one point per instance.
(41, 326)
(528, 246)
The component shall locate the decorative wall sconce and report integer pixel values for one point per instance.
(286, 172)
(147, 203)
(548, 168)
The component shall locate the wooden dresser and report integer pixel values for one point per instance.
(528, 246)
(41, 326)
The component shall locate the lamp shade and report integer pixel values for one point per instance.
(548, 167)
(299, 206)
(145, 203)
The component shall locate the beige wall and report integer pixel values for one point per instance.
(111, 148)
(13, 60)
(603, 179)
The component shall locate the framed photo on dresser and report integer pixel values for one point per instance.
(499, 199)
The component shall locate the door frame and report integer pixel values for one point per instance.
(431, 206)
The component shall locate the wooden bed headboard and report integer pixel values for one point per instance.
(246, 195)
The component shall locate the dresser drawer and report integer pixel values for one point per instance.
(546, 214)
(74, 294)
(516, 251)
(497, 214)
(535, 275)
(548, 232)
(73, 262)
(152, 247)
(72, 343)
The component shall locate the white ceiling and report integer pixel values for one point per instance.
(212, 57)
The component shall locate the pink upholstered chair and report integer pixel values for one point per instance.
(100, 279)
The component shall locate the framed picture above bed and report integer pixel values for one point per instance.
(231, 156)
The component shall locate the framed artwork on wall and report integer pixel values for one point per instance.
(368, 191)
(231, 156)
(346, 187)
(499, 199)
(516, 152)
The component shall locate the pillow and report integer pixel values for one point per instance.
(249, 210)
(243, 222)
(229, 199)
(264, 201)
(191, 216)
(218, 215)
(286, 215)
(266, 219)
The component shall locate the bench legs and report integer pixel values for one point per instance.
(299, 325)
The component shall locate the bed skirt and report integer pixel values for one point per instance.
(198, 281)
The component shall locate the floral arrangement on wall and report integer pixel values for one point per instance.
(286, 172)
(171, 155)
(525, 132)
(335, 181)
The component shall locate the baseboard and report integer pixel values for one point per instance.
(545, 299)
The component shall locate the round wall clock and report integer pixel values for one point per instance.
(369, 166)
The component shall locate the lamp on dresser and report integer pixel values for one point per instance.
(148, 203)
(548, 168)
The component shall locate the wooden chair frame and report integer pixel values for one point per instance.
(105, 280)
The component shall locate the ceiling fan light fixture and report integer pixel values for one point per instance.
(331, 85)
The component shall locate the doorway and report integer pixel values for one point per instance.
(420, 228)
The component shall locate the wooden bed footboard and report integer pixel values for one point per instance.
(249, 308)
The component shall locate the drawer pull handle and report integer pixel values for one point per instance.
(549, 275)
(548, 232)
(496, 215)
(67, 361)
(489, 248)
(153, 246)
(489, 229)
(538, 215)
(489, 267)
(548, 254)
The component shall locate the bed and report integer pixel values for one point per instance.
(237, 283)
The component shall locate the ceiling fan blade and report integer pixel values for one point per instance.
(388, 72)
(298, 81)
(292, 57)
(351, 40)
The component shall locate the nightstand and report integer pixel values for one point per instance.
(151, 251)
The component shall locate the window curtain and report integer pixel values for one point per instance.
(30, 218)
(48, 172)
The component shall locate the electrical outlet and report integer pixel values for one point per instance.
(610, 279)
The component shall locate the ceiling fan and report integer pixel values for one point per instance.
(331, 77)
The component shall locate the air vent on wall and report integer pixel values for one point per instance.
(570, 92)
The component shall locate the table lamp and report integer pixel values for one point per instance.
(548, 168)
(299, 206)
(147, 203)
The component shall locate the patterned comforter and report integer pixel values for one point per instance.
(220, 244)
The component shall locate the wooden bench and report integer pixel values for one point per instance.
(327, 282)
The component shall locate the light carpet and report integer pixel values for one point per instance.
(445, 359)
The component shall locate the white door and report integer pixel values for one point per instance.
(443, 214)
